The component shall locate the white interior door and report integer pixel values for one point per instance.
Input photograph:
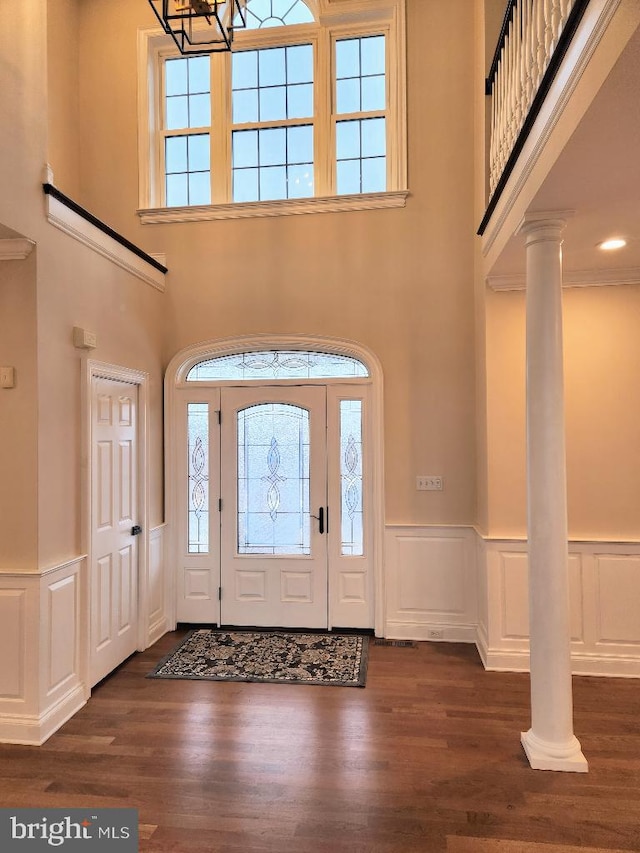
(273, 519)
(114, 503)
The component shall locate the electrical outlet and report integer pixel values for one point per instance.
(435, 634)
(429, 483)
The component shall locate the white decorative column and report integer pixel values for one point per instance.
(550, 743)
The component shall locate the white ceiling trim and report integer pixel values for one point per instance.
(572, 278)
(15, 248)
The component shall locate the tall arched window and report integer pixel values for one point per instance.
(308, 105)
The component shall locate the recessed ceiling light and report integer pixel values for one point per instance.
(612, 244)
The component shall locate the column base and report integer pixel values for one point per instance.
(544, 755)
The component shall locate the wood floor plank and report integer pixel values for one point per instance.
(476, 845)
(425, 759)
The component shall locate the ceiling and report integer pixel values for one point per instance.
(598, 176)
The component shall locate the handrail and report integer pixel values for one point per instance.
(513, 116)
(49, 189)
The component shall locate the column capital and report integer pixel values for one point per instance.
(543, 225)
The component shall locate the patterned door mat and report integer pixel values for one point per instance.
(280, 657)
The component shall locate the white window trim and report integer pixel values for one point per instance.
(336, 21)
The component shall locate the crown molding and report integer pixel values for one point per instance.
(15, 248)
(572, 278)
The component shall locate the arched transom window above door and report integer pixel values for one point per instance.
(277, 364)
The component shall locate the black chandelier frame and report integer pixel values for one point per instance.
(200, 26)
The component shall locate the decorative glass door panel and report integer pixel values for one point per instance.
(273, 480)
(198, 481)
(351, 509)
(274, 483)
(197, 435)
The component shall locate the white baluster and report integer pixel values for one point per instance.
(522, 106)
(556, 26)
(531, 37)
(548, 32)
(566, 7)
(493, 137)
(513, 81)
(540, 50)
(501, 104)
(527, 31)
(510, 99)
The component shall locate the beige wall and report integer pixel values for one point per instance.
(18, 416)
(83, 289)
(397, 281)
(60, 285)
(22, 145)
(62, 82)
(602, 355)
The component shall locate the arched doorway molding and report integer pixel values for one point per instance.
(175, 379)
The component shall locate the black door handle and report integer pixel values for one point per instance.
(136, 530)
(320, 518)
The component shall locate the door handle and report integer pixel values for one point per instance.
(136, 530)
(320, 519)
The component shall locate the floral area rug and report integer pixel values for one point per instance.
(288, 658)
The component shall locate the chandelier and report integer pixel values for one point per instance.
(200, 26)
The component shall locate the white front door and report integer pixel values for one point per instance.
(113, 578)
(274, 508)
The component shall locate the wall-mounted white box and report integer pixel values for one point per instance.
(7, 377)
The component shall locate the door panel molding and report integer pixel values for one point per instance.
(274, 589)
(351, 586)
(92, 371)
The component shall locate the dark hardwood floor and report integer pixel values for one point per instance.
(426, 758)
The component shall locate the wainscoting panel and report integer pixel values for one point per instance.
(431, 583)
(159, 591)
(13, 606)
(62, 617)
(604, 590)
(40, 669)
(618, 598)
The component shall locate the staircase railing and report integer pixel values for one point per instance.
(534, 37)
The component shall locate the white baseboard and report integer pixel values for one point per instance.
(157, 630)
(434, 633)
(32, 730)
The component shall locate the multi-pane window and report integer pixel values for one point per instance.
(272, 123)
(187, 157)
(360, 99)
(298, 109)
